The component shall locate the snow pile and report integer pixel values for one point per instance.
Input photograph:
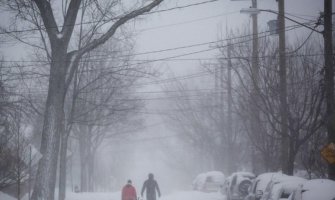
(318, 189)
(4, 196)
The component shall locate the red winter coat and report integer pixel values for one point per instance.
(128, 193)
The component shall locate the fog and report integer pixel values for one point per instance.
(176, 95)
(175, 29)
(157, 148)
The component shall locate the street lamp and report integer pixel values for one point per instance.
(254, 11)
(250, 11)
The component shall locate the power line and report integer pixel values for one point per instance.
(185, 22)
(178, 78)
(289, 28)
(23, 76)
(108, 20)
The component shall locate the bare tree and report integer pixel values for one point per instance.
(103, 102)
(304, 97)
(62, 68)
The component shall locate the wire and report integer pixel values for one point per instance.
(185, 22)
(296, 16)
(302, 44)
(106, 70)
(111, 19)
(288, 28)
(182, 7)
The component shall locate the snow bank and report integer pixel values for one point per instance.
(318, 189)
(4, 196)
(76, 196)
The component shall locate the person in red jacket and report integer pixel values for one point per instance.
(128, 192)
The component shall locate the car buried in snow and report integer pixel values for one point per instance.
(315, 189)
(237, 185)
(211, 181)
(282, 187)
(259, 184)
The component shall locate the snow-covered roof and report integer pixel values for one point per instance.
(264, 179)
(242, 175)
(216, 176)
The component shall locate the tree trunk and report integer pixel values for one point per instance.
(62, 167)
(83, 162)
(329, 79)
(90, 171)
(291, 158)
(52, 128)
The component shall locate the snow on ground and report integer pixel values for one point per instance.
(4, 196)
(182, 195)
(94, 196)
(77, 196)
(193, 195)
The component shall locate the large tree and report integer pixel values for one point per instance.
(63, 64)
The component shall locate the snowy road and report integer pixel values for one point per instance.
(182, 195)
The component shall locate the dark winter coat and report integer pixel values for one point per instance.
(150, 186)
(128, 193)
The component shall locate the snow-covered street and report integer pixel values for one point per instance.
(178, 195)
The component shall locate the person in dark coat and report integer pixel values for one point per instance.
(128, 192)
(150, 185)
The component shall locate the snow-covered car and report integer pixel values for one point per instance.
(282, 187)
(316, 189)
(237, 185)
(259, 185)
(209, 181)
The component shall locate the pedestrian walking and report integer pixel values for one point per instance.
(128, 192)
(150, 185)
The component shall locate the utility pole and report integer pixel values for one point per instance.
(283, 89)
(254, 90)
(231, 160)
(329, 78)
(29, 178)
(229, 93)
(255, 60)
(254, 96)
